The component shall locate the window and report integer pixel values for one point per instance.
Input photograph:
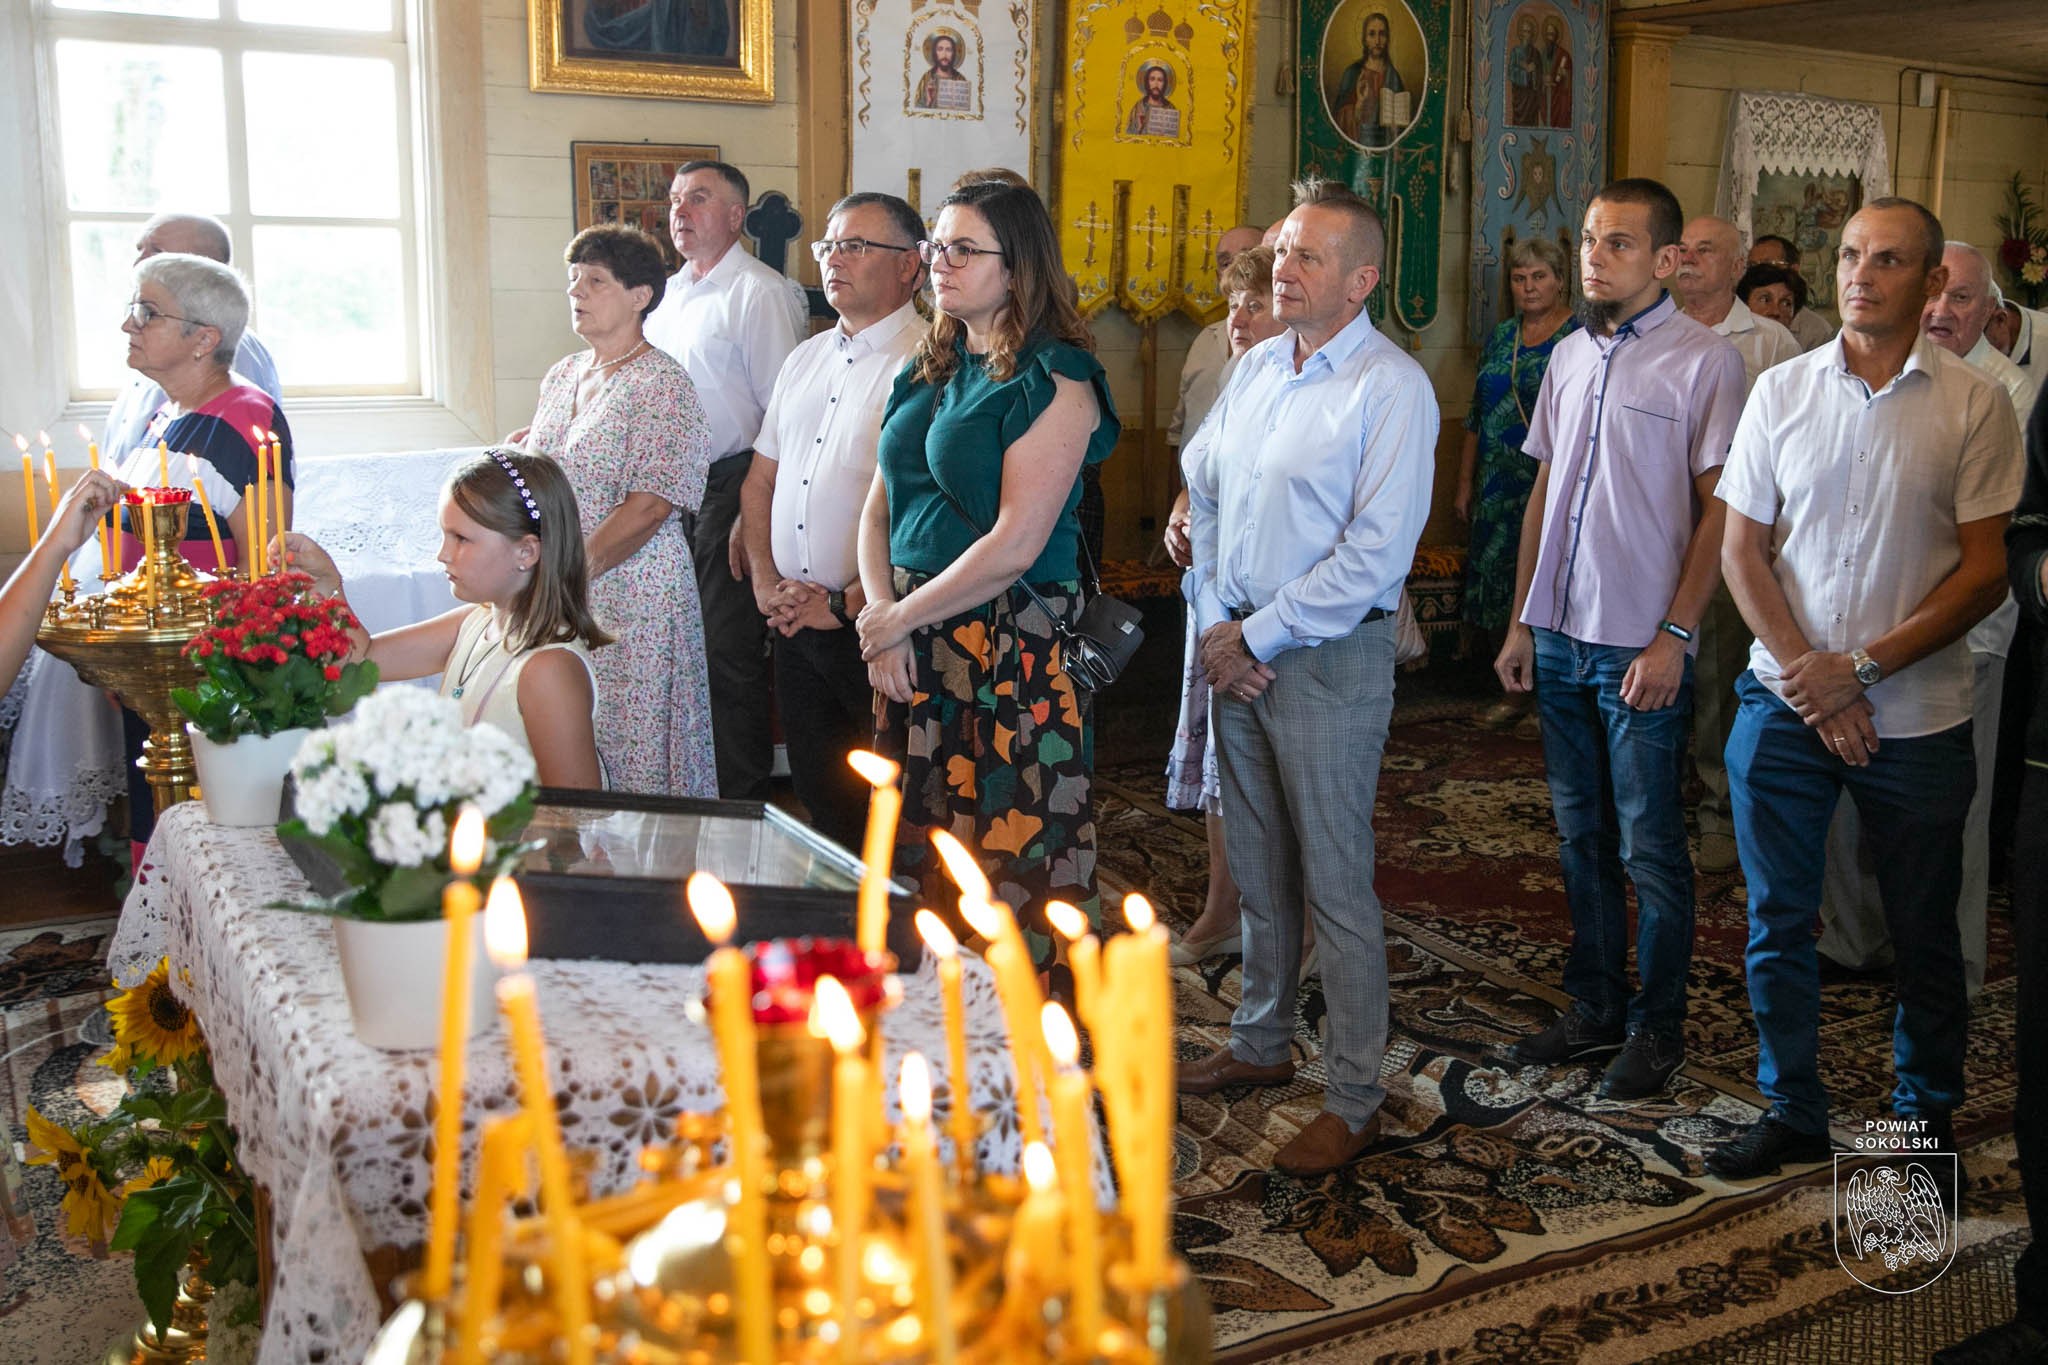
(290, 121)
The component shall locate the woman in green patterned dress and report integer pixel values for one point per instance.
(1494, 475)
(978, 475)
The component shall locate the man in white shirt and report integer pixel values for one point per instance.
(800, 509)
(1868, 492)
(1710, 261)
(1201, 374)
(730, 322)
(194, 234)
(1853, 932)
(1295, 583)
(2023, 339)
(1810, 328)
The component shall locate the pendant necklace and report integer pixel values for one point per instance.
(470, 663)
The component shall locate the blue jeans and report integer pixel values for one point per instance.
(1615, 776)
(1913, 799)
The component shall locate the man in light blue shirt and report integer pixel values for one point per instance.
(197, 235)
(1308, 492)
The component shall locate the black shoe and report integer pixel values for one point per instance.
(1763, 1146)
(2009, 1343)
(1644, 1067)
(1572, 1038)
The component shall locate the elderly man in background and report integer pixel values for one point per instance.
(1809, 327)
(1296, 581)
(814, 460)
(1710, 261)
(730, 322)
(192, 234)
(2021, 336)
(1854, 938)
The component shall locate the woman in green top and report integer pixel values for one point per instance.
(978, 476)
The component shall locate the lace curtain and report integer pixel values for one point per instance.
(1791, 134)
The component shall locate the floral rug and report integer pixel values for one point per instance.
(1499, 1184)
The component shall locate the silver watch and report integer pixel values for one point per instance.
(1867, 671)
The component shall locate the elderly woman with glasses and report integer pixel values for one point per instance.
(980, 460)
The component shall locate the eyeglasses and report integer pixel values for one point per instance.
(957, 254)
(142, 314)
(856, 247)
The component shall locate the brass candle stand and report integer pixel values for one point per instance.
(130, 639)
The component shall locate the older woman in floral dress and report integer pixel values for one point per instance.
(623, 421)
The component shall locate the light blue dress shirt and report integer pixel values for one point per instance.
(1308, 490)
(128, 419)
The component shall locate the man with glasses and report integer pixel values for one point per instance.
(729, 321)
(192, 234)
(801, 506)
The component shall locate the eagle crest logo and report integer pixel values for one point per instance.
(1894, 1231)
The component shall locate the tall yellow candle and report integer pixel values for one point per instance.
(731, 982)
(505, 936)
(147, 509)
(220, 560)
(50, 472)
(500, 1178)
(833, 1017)
(251, 555)
(1033, 1260)
(1084, 955)
(284, 556)
(1017, 989)
(1074, 1149)
(1152, 1071)
(878, 849)
(458, 907)
(259, 520)
(163, 464)
(960, 1120)
(108, 563)
(921, 1162)
(28, 488)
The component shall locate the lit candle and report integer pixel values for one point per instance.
(500, 1178)
(50, 473)
(878, 850)
(1148, 1083)
(146, 509)
(1075, 1152)
(163, 464)
(259, 521)
(108, 563)
(961, 867)
(28, 488)
(284, 556)
(1084, 955)
(921, 1160)
(940, 940)
(458, 906)
(251, 555)
(832, 1016)
(1034, 1255)
(220, 559)
(505, 936)
(731, 982)
(1017, 988)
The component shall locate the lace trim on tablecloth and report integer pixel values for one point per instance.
(339, 1133)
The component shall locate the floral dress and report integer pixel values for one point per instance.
(644, 433)
(1501, 399)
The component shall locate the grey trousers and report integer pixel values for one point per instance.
(1301, 767)
(1852, 928)
(1723, 656)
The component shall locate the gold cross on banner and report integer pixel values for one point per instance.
(1151, 227)
(1091, 224)
(1207, 234)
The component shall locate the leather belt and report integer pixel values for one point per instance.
(1240, 613)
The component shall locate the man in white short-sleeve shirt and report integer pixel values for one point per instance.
(801, 507)
(1867, 491)
(730, 321)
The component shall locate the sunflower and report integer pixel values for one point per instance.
(91, 1206)
(159, 1169)
(152, 1023)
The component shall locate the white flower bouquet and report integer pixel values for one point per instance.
(378, 793)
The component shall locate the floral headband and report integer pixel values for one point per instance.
(518, 481)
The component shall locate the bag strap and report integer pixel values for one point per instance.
(1059, 623)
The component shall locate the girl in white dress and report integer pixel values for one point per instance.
(519, 657)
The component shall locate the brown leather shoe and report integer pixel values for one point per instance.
(1326, 1144)
(1224, 1068)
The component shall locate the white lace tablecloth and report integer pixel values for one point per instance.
(338, 1132)
(376, 514)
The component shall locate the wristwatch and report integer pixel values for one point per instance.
(1867, 671)
(835, 602)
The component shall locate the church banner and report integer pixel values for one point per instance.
(1539, 96)
(938, 88)
(1151, 157)
(1373, 81)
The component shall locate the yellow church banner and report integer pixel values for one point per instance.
(1151, 160)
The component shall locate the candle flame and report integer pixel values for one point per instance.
(21, 443)
(711, 903)
(961, 867)
(833, 1016)
(1138, 911)
(1060, 1039)
(981, 917)
(466, 844)
(84, 433)
(257, 432)
(43, 439)
(1039, 1171)
(877, 771)
(914, 1088)
(1068, 919)
(936, 935)
(505, 925)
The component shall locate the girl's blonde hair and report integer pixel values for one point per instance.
(517, 494)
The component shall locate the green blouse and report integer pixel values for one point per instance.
(953, 436)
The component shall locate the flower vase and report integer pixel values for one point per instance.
(241, 782)
(394, 974)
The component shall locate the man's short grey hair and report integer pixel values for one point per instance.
(209, 235)
(204, 293)
(1367, 238)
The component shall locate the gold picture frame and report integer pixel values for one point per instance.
(659, 49)
(627, 182)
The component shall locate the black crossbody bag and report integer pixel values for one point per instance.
(1096, 648)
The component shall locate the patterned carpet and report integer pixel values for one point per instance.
(1512, 1215)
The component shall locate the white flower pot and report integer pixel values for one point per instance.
(242, 782)
(393, 973)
